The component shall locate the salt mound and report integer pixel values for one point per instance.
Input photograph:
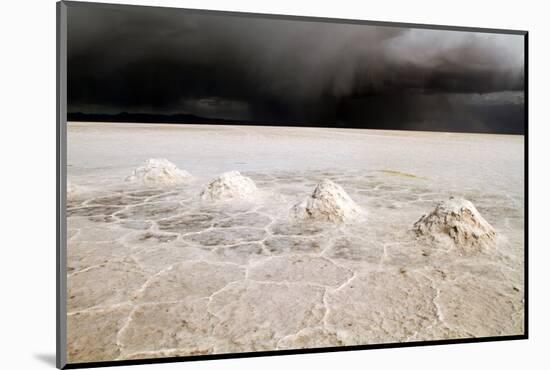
(229, 185)
(158, 171)
(72, 190)
(460, 220)
(329, 202)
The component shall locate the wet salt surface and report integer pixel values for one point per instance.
(155, 272)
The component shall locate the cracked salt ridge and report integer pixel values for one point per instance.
(382, 267)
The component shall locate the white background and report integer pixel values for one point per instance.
(27, 180)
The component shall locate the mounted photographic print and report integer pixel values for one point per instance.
(234, 184)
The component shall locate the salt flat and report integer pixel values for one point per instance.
(157, 270)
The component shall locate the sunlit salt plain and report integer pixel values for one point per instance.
(158, 271)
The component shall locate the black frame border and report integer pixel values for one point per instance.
(61, 190)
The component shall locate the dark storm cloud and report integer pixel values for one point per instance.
(154, 60)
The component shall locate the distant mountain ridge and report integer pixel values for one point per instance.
(456, 125)
(147, 118)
